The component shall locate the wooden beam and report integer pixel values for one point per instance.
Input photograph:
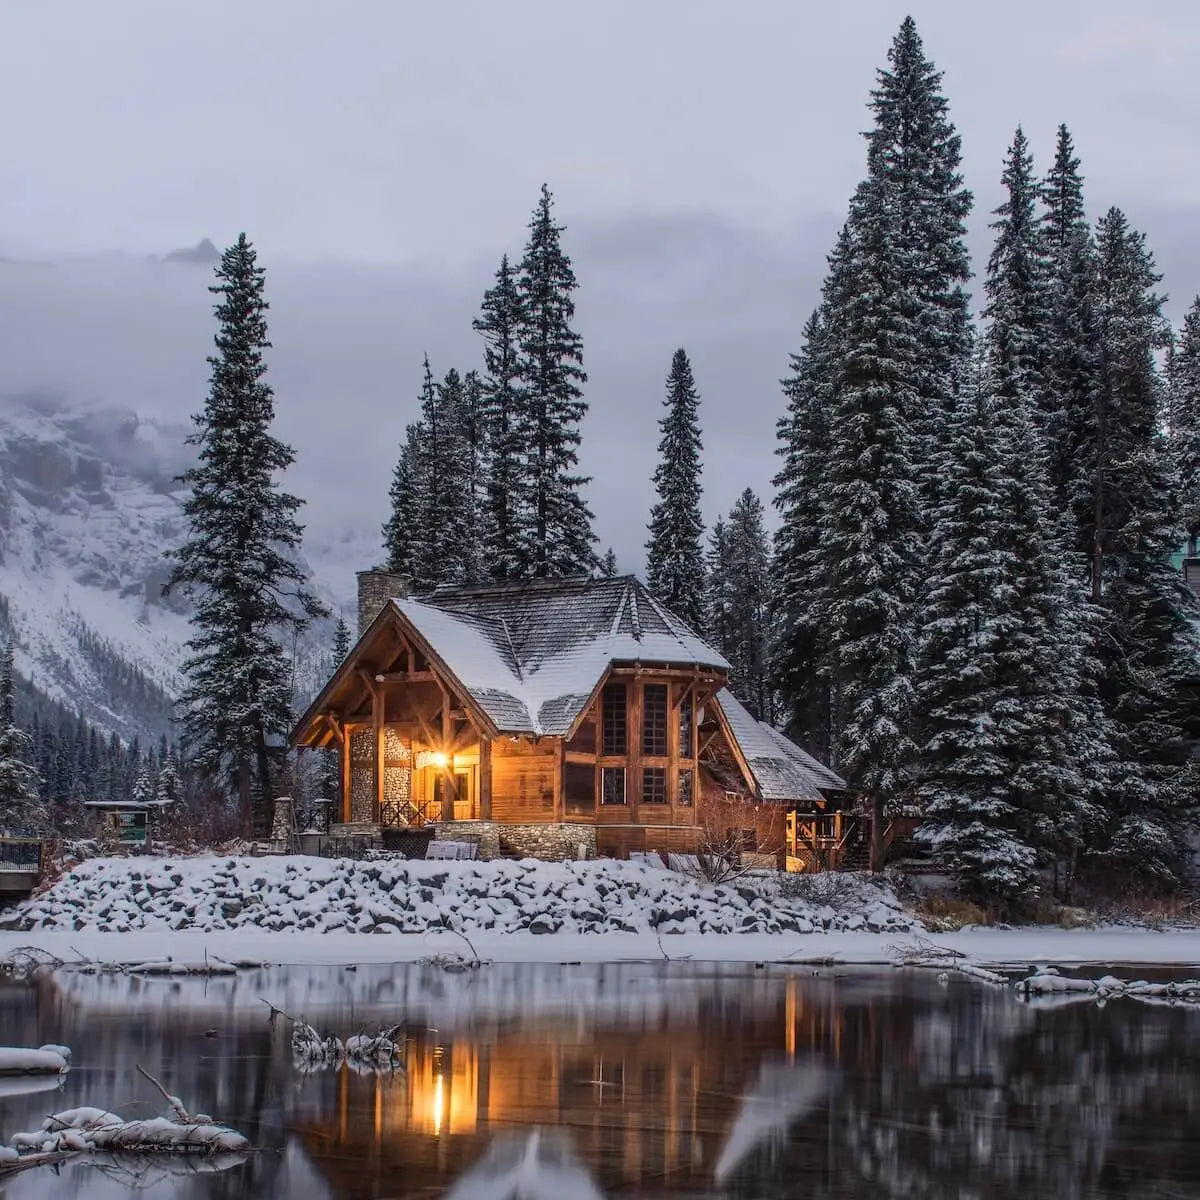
(448, 795)
(485, 778)
(385, 677)
(559, 782)
(344, 766)
(377, 721)
(339, 732)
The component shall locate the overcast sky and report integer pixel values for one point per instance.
(383, 154)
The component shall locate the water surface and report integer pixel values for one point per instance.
(630, 1080)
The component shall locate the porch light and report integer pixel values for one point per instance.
(438, 759)
(432, 758)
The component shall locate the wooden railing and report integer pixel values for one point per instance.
(22, 854)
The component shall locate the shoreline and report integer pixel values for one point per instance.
(1020, 947)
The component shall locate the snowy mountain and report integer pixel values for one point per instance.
(88, 504)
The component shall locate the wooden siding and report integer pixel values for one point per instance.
(524, 780)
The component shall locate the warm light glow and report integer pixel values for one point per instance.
(438, 759)
(432, 758)
(439, 1103)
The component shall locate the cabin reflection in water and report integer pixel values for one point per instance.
(650, 1104)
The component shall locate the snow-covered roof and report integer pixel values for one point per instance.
(530, 654)
(781, 770)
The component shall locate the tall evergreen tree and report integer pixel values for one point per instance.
(508, 499)
(972, 817)
(608, 564)
(21, 808)
(716, 598)
(675, 555)
(477, 527)
(904, 343)
(405, 536)
(1184, 423)
(329, 775)
(556, 536)
(1072, 353)
(341, 644)
(1149, 648)
(239, 563)
(743, 576)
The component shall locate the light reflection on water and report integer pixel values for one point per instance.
(649, 1080)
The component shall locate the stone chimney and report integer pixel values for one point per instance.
(375, 589)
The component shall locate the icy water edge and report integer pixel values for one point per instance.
(627, 1080)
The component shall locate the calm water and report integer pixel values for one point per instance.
(664, 1080)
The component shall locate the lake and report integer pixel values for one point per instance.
(665, 1079)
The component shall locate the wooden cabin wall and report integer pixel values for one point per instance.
(525, 780)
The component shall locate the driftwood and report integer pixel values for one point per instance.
(373, 1053)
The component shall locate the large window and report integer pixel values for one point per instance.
(654, 719)
(579, 788)
(654, 785)
(685, 727)
(612, 785)
(613, 705)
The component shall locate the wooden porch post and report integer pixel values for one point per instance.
(449, 790)
(485, 777)
(377, 719)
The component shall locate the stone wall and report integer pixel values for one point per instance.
(550, 842)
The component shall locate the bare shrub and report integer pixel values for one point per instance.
(946, 914)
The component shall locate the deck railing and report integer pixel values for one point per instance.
(21, 854)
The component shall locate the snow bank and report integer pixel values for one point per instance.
(1048, 982)
(289, 894)
(48, 1060)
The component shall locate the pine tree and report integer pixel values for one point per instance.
(21, 809)
(556, 534)
(1184, 423)
(329, 775)
(608, 564)
(143, 790)
(168, 787)
(1149, 646)
(675, 558)
(446, 552)
(903, 348)
(716, 599)
(1073, 353)
(971, 816)
(508, 500)
(341, 644)
(239, 564)
(799, 669)
(405, 535)
(745, 574)
(473, 430)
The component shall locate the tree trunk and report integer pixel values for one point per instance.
(262, 815)
(877, 847)
(242, 771)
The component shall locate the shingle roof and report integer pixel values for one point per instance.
(531, 653)
(780, 768)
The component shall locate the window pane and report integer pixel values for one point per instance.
(613, 785)
(654, 785)
(579, 787)
(613, 704)
(654, 718)
(685, 787)
(685, 727)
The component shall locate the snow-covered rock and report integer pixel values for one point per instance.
(84, 1129)
(400, 896)
(47, 1060)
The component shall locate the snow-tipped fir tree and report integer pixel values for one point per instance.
(675, 552)
(972, 818)
(240, 562)
(1149, 646)
(740, 600)
(1072, 356)
(716, 591)
(144, 789)
(508, 500)
(168, 787)
(608, 564)
(329, 776)
(1184, 424)
(903, 347)
(556, 536)
(21, 808)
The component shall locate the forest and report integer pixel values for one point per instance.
(970, 602)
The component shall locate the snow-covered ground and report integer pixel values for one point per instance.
(319, 911)
(325, 896)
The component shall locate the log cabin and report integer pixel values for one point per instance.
(553, 719)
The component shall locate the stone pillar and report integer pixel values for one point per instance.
(375, 589)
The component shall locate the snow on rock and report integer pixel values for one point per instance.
(321, 895)
(85, 1129)
(1048, 982)
(47, 1060)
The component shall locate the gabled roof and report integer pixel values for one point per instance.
(780, 768)
(531, 653)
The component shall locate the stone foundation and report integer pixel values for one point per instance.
(550, 842)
